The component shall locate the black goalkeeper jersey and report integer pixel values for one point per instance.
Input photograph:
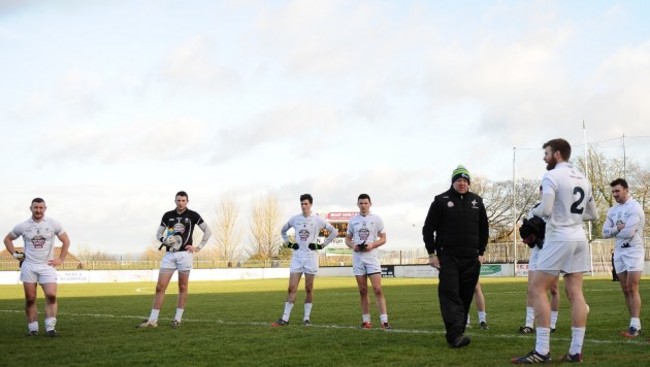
(181, 224)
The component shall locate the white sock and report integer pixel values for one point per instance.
(383, 318)
(154, 315)
(481, 316)
(365, 317)
(50, 323)
(577, 339)
(554, 315)
(307, 311)
(33, 326)
(288, 306)
(635, 322)
(543, 342)
(530, 316)
(179, 314)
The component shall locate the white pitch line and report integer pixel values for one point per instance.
(487, 334)
(145, 290)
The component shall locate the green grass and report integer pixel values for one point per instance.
(227, 323)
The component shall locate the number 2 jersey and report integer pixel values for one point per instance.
(569, 193)
(38, 238)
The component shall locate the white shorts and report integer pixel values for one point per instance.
(564, 257)
(629, 259)
(304, 262)
(532, 261)
(37, 273)
(181, 261)
(365, 264)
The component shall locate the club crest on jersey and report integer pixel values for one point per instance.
(179, 228)
(303, 234)
(38, 241)
(474, 202)
(364, 233)
(450, 204)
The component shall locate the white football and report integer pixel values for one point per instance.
(173, 242)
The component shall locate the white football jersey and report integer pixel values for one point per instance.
(566, 202)
(39, 238)
(307, 230)
(365, 229)
(631, 214)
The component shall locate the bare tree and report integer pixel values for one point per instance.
(640, 190)
(499, 198)
(602, 171)
(86, 254)
(226, 233)
(152, 251)
(265, 228)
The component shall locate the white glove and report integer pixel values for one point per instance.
(19, 256)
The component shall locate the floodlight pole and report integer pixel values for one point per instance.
(514, 207)
(624, 157)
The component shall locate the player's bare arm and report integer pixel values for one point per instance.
(350, 243)
(65, 240)
(9, 243)
(380, 241)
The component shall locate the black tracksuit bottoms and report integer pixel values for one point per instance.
(457, 279)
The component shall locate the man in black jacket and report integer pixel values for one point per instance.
(455, 234)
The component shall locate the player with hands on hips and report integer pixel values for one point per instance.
(304, 259)
(625, 222)
(175, 234)
(39, 267)
(366, 233)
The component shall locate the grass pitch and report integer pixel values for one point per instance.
(227, 323)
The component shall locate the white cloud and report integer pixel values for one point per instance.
(195, 63)
(80, 92)
(618, 92)
(125, 142)
(293, 125)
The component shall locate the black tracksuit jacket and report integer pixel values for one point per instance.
(460, 225)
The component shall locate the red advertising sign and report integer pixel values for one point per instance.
(332, 216)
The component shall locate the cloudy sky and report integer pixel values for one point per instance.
(108, 108)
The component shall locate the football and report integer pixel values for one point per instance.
(173, 242)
